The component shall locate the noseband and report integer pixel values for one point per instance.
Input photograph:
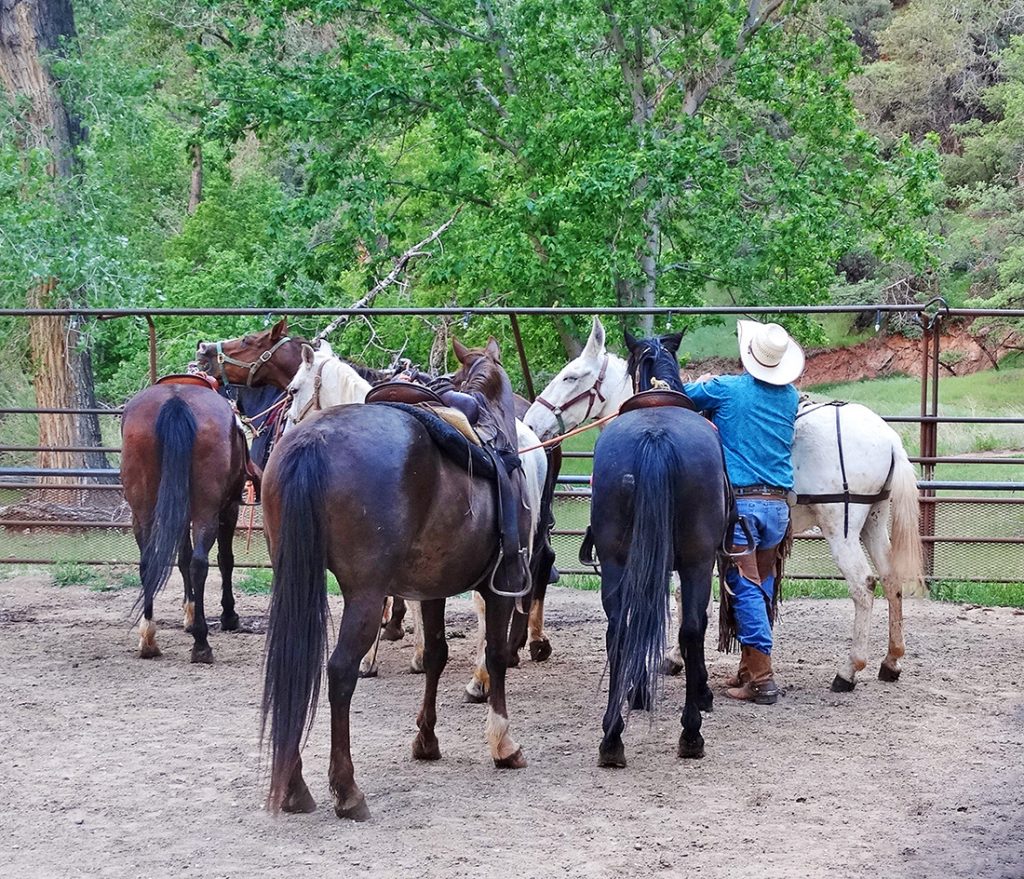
(591, 395)
(252, 366)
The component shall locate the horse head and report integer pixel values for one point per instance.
(269, 357)
(481, 375)
(654, 359)
(591, 386)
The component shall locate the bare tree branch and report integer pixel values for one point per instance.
(400, 265)
(445, 25)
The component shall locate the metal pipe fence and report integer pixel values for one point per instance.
(55, 515)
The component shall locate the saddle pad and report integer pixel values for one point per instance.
(657, 398)
(457, 419)
(202, 381)
(454, 445)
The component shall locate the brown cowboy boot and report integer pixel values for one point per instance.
(743, 672)
(760, 688)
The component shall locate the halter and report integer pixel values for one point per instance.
(592, 394)
(314, 401)
(253, 366)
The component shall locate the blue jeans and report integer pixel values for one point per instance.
(767, 521)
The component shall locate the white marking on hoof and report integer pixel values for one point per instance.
(501, 743)
(147, 639)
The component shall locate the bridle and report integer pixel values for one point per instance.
(314, 401)
(253, 366)
(591, 395)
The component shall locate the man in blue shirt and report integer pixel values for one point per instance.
(755, 414)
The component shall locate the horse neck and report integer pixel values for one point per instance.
(617, 387)
(341, 384)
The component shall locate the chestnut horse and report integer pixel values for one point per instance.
(367, 492)
(183, 468)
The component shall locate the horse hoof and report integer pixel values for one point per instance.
(202, 655)
(540, 650)
(416, 667)
(149, 651)
(357, 811)
(513, 659)
(612, 758)
(369, 673)
(670, 667)
(691, 750)
(392, 633)
(888, 673)
(515, 760)
(841, 685)
(229, 623)
(423, 749)
(473, 698)
(300, 802)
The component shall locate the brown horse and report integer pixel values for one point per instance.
(367, 492)
(183, 462)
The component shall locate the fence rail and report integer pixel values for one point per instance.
(975, 534)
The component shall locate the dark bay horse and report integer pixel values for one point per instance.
(366, 492)
(660, 503)
(183, 467)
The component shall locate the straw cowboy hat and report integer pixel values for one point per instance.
(769, 353)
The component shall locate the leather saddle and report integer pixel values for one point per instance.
(190, 378)
(656, 399)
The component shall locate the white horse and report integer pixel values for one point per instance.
(324, 380)
(596, 384)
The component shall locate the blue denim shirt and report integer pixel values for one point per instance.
(756, 421)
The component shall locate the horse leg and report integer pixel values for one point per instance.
(393, 629)
(693, 623)
(202, 653)
(479, 684)
(188, 605)
(540, 646)
(435, 657)
(853, 564)
(360, 623)
(612, 752)
(876, 540)
(368, 664)
(148, 648)
(504, 750)
(416, 665)
(226, 565)
(673, 662)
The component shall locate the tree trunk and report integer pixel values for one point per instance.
(31, 33)
(195, 191)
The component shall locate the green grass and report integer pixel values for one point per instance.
(258, 581)
(988, 594)
(73, 574)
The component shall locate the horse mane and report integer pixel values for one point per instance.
(652, 360)
(482, 375)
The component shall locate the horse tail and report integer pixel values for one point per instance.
(297, 632)
(638, 641)
(176, 435)
(906, 564)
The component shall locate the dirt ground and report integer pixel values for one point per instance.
(113, 766)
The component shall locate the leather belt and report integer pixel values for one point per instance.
(760, 491)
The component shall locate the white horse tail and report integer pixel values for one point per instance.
(907, 566)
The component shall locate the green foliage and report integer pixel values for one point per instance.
(984, 594)
(74, 574)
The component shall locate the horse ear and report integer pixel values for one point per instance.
(307, 355)
(279, 330)
(631, 341)
(671, 341)
(595, 344)
(493, 350)
(461, 351)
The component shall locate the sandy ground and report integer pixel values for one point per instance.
(117, 767)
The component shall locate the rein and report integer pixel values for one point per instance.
(555, 440)
(253, 366)
(314, 402)
(845, 497)
(248, 420)
(592, 395)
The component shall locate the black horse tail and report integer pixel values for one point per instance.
(176, 435)
(297, 632)
(638, 641)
